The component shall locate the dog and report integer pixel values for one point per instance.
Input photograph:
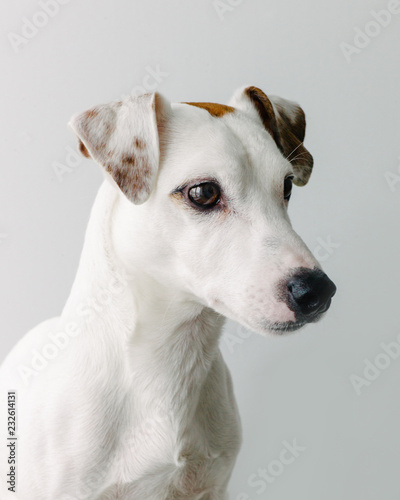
(126, 394)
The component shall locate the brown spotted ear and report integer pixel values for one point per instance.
(123, 137)
(285, 121)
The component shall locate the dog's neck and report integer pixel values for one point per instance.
(167, 342)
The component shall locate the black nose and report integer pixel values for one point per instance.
(310, 293)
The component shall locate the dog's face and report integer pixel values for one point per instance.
(205, 190)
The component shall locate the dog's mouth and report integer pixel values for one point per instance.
(292, 326)
(265, 326)
(286, 327)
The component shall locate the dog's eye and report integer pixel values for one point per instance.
(287, 188)
(205, 195)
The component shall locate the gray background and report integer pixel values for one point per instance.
(297, 387)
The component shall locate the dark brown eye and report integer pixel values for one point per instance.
(205, 195)
(287, 188)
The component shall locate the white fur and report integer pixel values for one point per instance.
(139, 405)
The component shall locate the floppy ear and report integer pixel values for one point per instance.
(123, 137)
(285, 121)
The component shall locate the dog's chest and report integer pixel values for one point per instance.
(196, 478)
(179, 436)
(157, 462)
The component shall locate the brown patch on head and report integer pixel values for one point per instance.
(296, 154)
(266, 112)
(292, 129)
(213, 108)
(297, 122)
(286, 122)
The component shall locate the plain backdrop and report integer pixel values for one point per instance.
(296, 388)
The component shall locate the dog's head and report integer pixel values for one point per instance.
(204, 193)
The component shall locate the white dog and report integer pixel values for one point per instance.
(126, 395)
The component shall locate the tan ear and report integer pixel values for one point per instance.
(123, 137)
(285, 121)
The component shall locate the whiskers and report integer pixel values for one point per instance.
(301, 155)
(288, 157)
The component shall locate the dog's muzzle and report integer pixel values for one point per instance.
(309, 293)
